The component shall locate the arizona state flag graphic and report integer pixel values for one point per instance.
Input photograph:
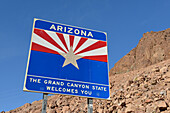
(67, 60)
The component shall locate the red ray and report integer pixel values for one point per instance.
(82, 40)
(96, 45)
(71, 40)
(46, 37)
(102, 58)
(37, 47)
(62, 40)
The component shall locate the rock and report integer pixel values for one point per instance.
(72, 108)
(52, 104)
(146, 86)
(167, 80)
(148, 101)
(153, 82)
(163, 92)
(59, 111)
(123, 104)
(151, 109)
(161, 105)
(156, 69)
(168, 95)
(51, 111)
(128, 96)
(27, 105)
(36, 111)
(163, 70)
(130, 108)
(129, 82)
(65, 109)
(59, 102)
(100, 110)
(141, 108)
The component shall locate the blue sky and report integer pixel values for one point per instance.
(125, 21)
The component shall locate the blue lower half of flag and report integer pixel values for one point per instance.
(50, 65)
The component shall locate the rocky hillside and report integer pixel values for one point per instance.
(152, 48)
(146, 90)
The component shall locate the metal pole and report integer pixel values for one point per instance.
(90, 105)
(44, 103)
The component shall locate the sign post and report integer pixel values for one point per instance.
(89, 105)
(67, 60)
(44, 103)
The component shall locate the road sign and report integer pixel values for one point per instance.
(67, 60)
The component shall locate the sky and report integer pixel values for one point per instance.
(124, 21)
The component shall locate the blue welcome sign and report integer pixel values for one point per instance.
(67, 60)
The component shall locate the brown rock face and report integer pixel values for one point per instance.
(153, 48)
